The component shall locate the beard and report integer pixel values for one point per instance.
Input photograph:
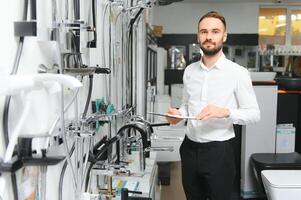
(210, 52)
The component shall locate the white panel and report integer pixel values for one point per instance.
(171, 136)
(7, 40)
(44, 19)
(258, 138)
(161, 65)
(141, 62)
(176, 95)
(183, 17)
(161, 105)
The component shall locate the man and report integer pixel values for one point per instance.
(219, 93)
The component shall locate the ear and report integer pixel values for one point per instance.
(225, 36)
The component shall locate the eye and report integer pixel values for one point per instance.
(203, 31)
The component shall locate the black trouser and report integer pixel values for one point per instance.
(208, 170)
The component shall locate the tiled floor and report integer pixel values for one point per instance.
(174, 191)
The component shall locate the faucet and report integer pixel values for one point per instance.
(140, 141)
(174, 51)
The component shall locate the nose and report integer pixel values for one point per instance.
(208, 36)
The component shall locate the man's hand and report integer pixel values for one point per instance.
(173, 111)
(212, 111)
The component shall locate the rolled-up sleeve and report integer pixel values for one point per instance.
(248, 111)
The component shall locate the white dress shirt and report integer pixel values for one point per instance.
(226, 85)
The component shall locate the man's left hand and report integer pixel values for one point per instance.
(212, 111)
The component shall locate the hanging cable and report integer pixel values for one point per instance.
(63, 173)
(110, 55)
(65, 110)
(104, 64)
(73, 146)
(130, 53)
(103, 149)
(88, 97)
(93, 43)
(64, 137)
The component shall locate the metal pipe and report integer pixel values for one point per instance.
(76, 4)
(169, 148)
(64, 137)
(63, 173)
(76, 165)
(33, 9)
(89, 96)
(99, 154)
(86, 162)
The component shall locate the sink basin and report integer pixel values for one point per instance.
(288, 83)
(262, 76)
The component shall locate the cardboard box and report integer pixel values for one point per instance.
(157, 30)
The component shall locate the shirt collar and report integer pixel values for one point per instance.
(218, 65)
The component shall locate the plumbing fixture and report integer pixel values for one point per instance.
(106, 117)
(109, 192)
(23, 85)
(168, 148)
(18, 83)
(44, 69)
(84, 71)
(173, 51)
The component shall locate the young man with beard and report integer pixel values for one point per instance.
(219, 93)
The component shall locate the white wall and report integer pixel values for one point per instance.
(182, 17)
(36, 52)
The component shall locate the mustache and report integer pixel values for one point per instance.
(208, 41)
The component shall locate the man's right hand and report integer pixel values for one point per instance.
(173, 111)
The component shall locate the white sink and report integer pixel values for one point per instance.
(262, 76)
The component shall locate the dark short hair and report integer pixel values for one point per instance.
(213, 14)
